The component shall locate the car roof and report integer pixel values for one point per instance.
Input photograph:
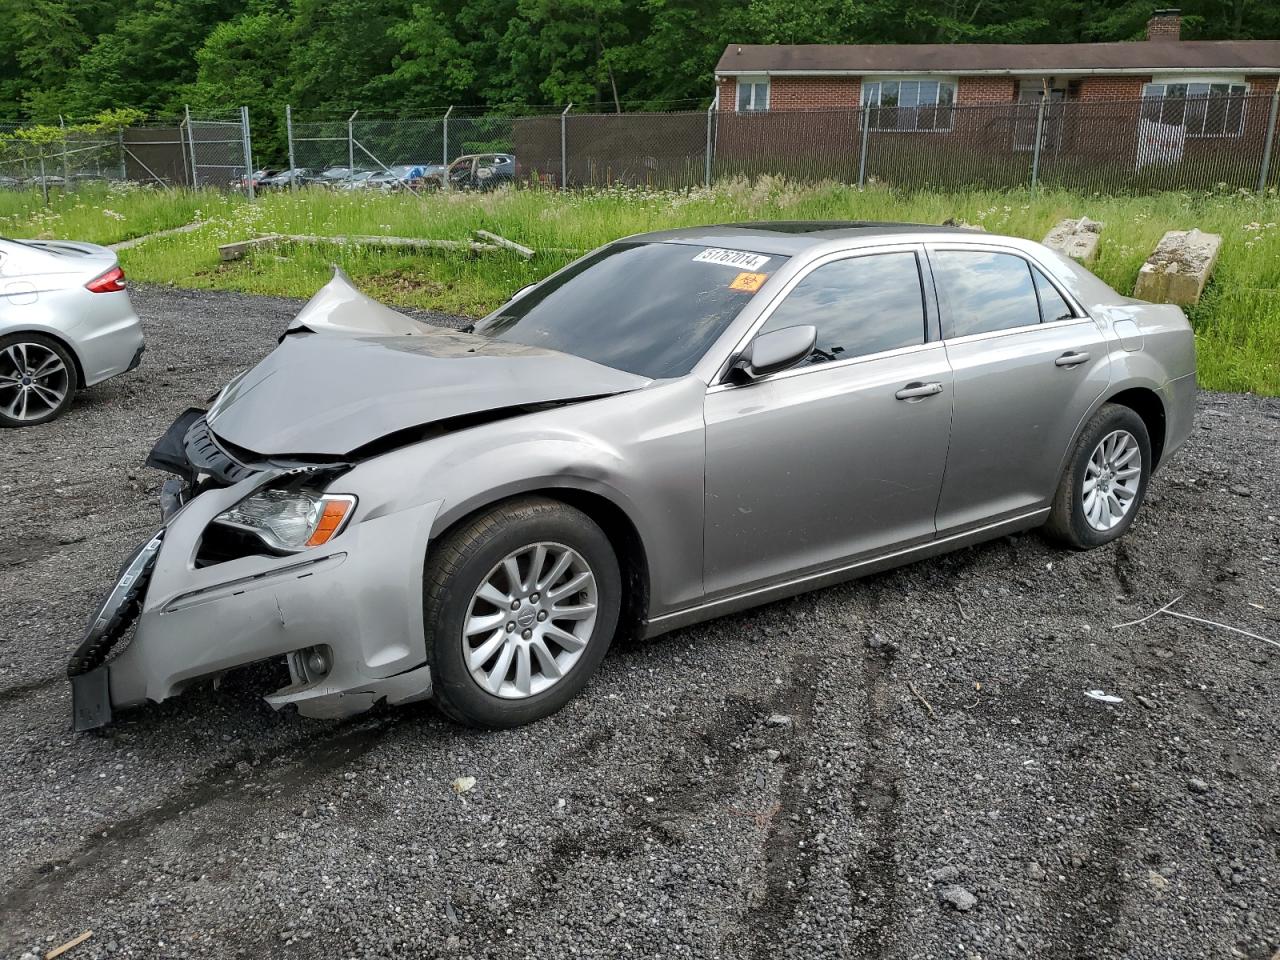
(790, 237)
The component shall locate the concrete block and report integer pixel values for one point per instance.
(1077, 239)
(237, 251)
(1179, 268)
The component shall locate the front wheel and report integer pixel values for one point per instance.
(520, 607)
(1105, 480)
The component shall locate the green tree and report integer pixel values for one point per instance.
(245, 62)
(148, 58)
(339, 50)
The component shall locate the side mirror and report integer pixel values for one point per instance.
(777, 350)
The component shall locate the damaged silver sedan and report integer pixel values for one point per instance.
(677, 426)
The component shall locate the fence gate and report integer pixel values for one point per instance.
(219, 151)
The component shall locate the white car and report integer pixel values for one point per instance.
(65, 323)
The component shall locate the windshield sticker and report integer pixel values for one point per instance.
(732, 258)
(749, 282)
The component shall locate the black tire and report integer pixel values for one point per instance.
(1067, 523)
(456, 568)
(7, 395)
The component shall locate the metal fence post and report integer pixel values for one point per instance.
(191, 142)
(1035, 150)
(288, 133)
(124, 164)
(711, 112)
(247, 141)
(351, 143)
(444, 151)
(1271, 139)
(44, 180)
(66, 169)
(564, 150)
(862, 152)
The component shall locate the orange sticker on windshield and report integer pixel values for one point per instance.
(749, 282)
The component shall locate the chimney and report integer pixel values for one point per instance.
(1165, 25)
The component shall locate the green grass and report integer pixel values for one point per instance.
(107, 214)
(1237, 322)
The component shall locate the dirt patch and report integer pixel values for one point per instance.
(669, 811)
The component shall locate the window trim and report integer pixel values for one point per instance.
(752, 80)
(1079, 314)
(879, 79)
(1232, 82)
(932, 328)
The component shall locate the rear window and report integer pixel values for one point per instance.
(651, 309)
(984, 291)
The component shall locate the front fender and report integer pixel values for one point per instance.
(643, 452)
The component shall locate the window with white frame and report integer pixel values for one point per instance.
(1205, 109)
(753, 94)
(909, 105)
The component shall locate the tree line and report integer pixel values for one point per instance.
(75, 58)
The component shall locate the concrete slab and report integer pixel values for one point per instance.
(1179, 268)
(1077, 239)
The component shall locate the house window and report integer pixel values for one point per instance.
(753, 94)
(1204, 109)
(909, 105)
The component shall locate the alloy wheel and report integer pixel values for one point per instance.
(1111, 480)
(530, 620)
(34, 381)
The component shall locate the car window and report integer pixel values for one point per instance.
(984, 291)
(1052, 306)
(648, 308)
(860, 306)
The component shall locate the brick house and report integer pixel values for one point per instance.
(1163, 99)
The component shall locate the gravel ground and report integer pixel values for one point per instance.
(906, 766)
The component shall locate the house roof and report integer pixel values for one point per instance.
(1145, 57)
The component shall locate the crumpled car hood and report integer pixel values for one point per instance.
(334, 385)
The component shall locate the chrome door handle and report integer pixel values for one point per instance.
(1071, 359)
(915, 392)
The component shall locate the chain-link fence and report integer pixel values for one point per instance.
(194, 151)
(1126, 146)
(1120, 146)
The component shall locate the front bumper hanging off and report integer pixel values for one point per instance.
(90, 694)
(357, 601)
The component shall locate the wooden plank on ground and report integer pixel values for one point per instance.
(526, 252)
(236, 251)
(409, 242)
(135, 241)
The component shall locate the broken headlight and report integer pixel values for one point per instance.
(290, 519)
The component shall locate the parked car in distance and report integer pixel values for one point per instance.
(333, 176)
(65, 322)
(411, 174)
(480, 171)
(676, 426)
(255, 179)
(287, 178)
(357, 181)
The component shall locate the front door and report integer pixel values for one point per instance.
(842, 456)
(1027, 366)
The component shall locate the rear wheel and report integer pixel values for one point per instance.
(520, 608)
(1105, 480)
(37, 379)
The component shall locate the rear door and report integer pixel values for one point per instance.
(1027, 365)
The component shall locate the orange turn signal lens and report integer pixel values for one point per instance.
(332, 517)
